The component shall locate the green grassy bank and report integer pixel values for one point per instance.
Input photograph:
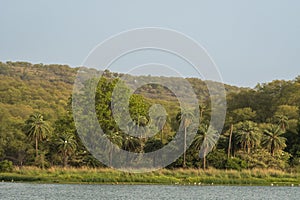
(178, 176)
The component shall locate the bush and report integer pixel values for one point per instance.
(217, 159)
(235, 163)
(6, 166)
(261, 158)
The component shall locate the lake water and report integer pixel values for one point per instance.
(140, 192)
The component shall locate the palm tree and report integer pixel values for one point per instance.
(247, 134)
(36, 129)
(282, 121)
(229, 141)
(159, 117)
(205, 139)
(66, 145)
(160, 120)
(142, 122)
(131, 143)
(115, 138)
(185, 118)
(202, 109)
(139, 130)
(273, 139)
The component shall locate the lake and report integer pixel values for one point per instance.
(140, 192)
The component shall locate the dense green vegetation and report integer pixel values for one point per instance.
(261, 129)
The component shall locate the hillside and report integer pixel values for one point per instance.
(26, 88)
(34, 95)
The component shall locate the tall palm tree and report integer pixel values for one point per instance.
(66, 145)
(248, 135)
(205, 138)
(229, 140)
(160, 120)
(185, 118)
(282, 121)
(36, 129)
(273, 139)
(202, 109)
(115, 138)
(142, 122)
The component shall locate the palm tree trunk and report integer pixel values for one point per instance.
(36, 148)
(65, 161)
(110, 157)
(272, 148)
(204, 159)
(229, 142)
(184, 149)
(248, 150)
(201, 115)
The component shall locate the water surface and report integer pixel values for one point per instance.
(26, 191)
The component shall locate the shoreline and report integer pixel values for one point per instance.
(154, 184)
(177, 177)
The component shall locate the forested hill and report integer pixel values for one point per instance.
(26, 88)
(261, 129)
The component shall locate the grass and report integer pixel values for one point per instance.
(163, 176)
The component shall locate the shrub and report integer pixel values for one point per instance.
(217, 159)
(235, 163)
(6, 166)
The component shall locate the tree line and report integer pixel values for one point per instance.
(261, 128)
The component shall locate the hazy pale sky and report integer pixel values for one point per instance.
(251, 41)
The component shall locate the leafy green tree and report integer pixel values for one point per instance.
(103, 102)
(290, 111)
(273, 139)
(243, 114)
(138, 109)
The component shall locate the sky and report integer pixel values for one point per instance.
(251, 41)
